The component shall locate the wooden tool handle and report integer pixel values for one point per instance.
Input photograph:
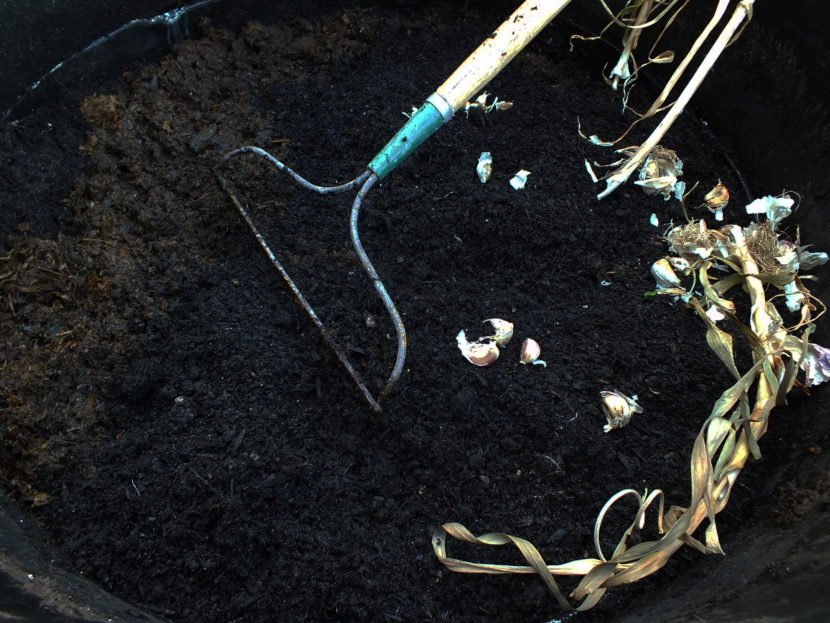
(498, 50)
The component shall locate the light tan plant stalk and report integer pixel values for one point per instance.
(681, 68)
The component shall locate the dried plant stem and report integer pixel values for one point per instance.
(681, 68)
(632, 36)
(621, 175)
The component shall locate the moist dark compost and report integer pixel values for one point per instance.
(173, 420)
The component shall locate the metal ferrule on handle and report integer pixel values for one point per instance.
(421, 125)
(473, 74)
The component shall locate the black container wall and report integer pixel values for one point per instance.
(768, 101)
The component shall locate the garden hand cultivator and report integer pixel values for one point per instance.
(473, 74)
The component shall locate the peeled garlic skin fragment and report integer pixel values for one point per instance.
(477, 353)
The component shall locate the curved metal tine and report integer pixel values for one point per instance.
(381, 289)
(323, 190)
(324, 334)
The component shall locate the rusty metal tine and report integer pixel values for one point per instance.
(400, 358)
(324, 334)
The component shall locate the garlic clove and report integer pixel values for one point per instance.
(664, 275)
(530, 353)
(717, 199)
(477, 353)
(519, 181)
(503, 331)
(484, 167)
(618, 409)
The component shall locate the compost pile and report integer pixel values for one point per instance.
(173, 420)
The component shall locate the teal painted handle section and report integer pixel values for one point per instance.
(419, 128)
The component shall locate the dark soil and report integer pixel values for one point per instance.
(182, 434)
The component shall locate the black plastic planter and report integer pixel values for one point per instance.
(768, 101)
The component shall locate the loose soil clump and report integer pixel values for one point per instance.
(187, 442)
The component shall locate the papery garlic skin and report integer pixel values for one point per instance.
(618, 409)
(775, 208)
(503, 331)
(477, 353)
(680, 191)
(788, 255)
(484, 167)
(816, 364)
(714, 313)
(519, 181)
(680, 263)
(794, 298)
(810, 259)
(530, 353)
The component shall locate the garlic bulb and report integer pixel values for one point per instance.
(530, 353)
(659, 173)
(477, 353)
(618, 409)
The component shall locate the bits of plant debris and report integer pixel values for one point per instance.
(481, 103)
